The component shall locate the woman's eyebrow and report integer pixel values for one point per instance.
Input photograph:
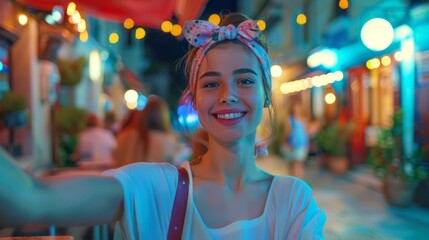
(236, 71)
(210, 74)
(244, 70)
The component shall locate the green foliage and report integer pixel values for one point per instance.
(71, 71)
(12, 102)
(389, 158)
(65, 151)
(333, 138)
(71, 120)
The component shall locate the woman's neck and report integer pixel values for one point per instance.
(231, 165)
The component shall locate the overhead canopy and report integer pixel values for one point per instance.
(146, 13)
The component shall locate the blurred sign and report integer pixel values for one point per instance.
(422, 66)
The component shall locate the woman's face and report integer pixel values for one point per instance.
(229, 93)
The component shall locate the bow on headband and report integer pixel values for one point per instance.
(199, 32)
(203, 34)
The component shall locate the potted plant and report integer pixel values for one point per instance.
(333, 140)
(400, 172)
(69, 121)
(12, 110)
(71, 71)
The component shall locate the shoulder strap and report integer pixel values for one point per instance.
(179, 207)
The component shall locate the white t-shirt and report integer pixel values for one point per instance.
(290, 211)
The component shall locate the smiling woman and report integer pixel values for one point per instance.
(230, 197)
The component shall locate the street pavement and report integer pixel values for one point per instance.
(355, 207)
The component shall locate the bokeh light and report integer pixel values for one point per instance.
(113, 38)
(128, 23)
(22, 19)
(276, 71)
(140, 33)
(214, 18)
(261, 24)
(166, 26)
(176, 30)
(377, 34)
(301, 19)
(330, 98)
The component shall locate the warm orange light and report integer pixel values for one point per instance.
(261, 24)
(71, 8)
(343, 4)
(113, 38)
(75, 18)
(214, 18)
(81, 26)
(398, 56)
(140, 33)
(22, 19)
(83, 36)
(386, 60)
(176, 30)
(166, 26)
(128, 23)
(301, 19)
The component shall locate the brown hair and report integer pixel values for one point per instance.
(92, 120)
(155, 116)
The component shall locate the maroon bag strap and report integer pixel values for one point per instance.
(179, 207)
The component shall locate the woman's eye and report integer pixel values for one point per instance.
(245, 81)
(210, 85)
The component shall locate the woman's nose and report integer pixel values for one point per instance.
(227, 99)
(228, 95)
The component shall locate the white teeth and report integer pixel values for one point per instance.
(229, 115)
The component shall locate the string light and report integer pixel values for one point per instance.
(81, 26)
(316, 81)
(140, 33)
(71, 8)
(22, 19)
(128, 23)
(261, 24)
(343, 4)
(176, 30)
(166, 26)
(301, 19)
(113, 38)
(83, 36)
(214, 18)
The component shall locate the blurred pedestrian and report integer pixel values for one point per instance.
(111, 123)
(296, 142)
(147, 136)
(95, 144)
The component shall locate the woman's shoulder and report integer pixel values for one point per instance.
(144, 172)
(289, 186)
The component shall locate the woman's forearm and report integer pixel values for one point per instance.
(62, 200)
(15, 191)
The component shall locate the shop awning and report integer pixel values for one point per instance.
(145, 13)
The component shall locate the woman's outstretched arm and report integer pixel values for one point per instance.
(60, 201)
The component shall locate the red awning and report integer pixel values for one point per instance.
(146, 13)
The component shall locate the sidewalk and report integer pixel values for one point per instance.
(354, 206)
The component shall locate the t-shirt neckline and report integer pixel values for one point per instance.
(233, 225)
